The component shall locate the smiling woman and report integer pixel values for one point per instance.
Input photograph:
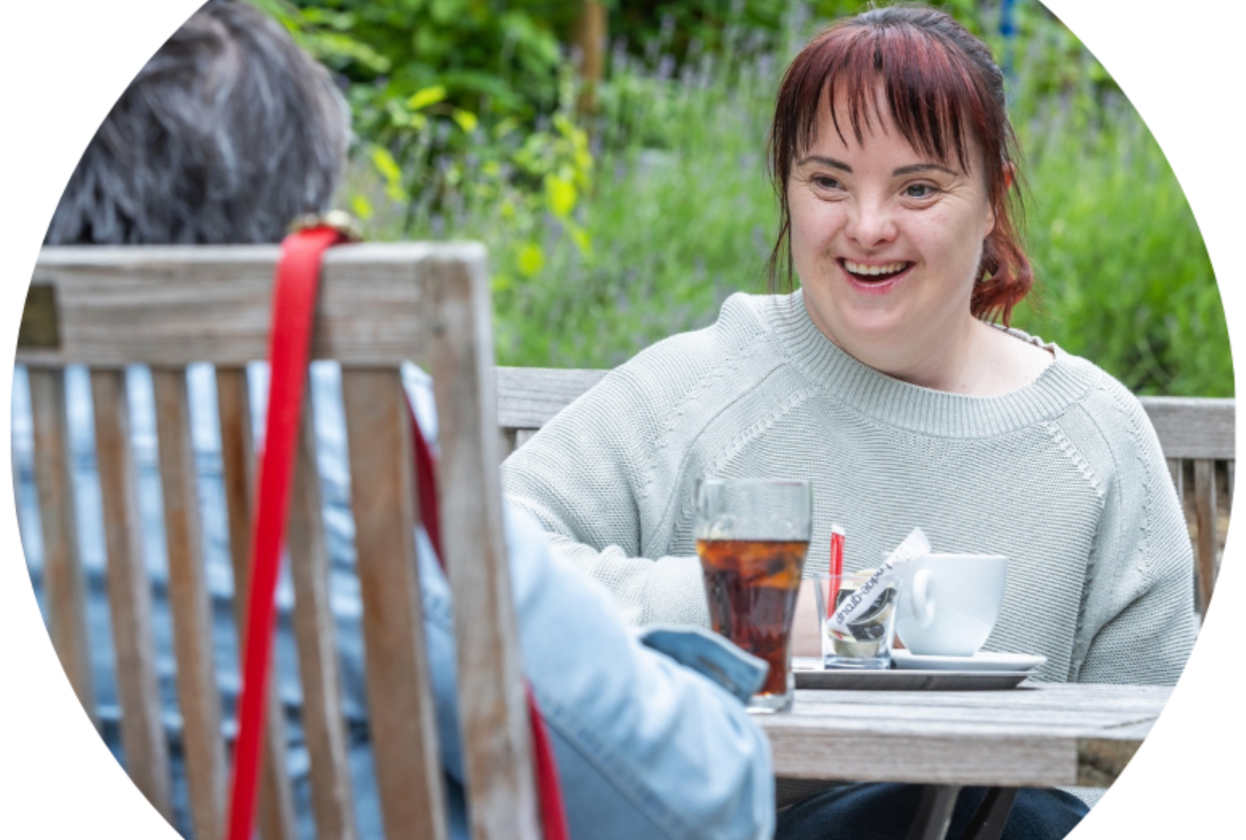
(889, 248)
(901, 229)
(891, 380)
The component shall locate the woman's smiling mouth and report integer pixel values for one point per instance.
(874, 278)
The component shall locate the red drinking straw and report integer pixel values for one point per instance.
(836, 567)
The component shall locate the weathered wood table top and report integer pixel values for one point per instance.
(1035, 735)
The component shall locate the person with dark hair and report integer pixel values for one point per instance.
(892, 379)
(228, 134)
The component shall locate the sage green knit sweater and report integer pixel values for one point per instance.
(1064, 476)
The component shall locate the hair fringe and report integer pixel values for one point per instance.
(942, 87)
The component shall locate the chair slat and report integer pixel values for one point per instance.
(492, 710)
(404, 735)
(197, 691)
(506, 443)
(1205, 515)
(1177, 471)
(62, 566)
(13, 489)
(323, 720)
(237, 458)
(129, 593)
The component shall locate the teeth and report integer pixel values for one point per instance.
(874, 270)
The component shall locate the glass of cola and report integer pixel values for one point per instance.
(752, 536)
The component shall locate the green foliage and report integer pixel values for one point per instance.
(466, 130)
(1125, 278)
(486, 54)
(456, 104)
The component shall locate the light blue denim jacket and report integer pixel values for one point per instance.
(650, 735)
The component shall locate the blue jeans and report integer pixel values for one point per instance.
(886, 811)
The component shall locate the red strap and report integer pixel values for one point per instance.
(549, 789)
(426, 479)
(294, 299)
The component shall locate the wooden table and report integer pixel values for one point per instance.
(1035, 735)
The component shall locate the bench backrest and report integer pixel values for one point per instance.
(166, 307)
(1196, 435)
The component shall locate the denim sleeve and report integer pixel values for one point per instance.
(646, 746)
(710, 655)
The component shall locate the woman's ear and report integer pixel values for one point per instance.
(1010, 172)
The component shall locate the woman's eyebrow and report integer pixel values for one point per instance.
(922, 167)
(825, 161)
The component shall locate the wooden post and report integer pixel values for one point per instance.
(198, 695)
(323, 727)
(63, 579)
(237, 460)
(14, 482)
(129, 593)
(589, 36)
(1232, 487)
(1205, 516)
(493, 715)
(409, 778)
(1178, 471)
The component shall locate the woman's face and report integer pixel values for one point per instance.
(886, 242)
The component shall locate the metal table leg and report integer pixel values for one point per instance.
(988, 821)
(934, 812)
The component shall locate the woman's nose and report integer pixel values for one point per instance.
(871, 224)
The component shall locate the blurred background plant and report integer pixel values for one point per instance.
(625, 203)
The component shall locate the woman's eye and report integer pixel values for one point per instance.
(826, 182)
(919, 190)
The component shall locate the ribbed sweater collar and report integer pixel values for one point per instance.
(893, 402)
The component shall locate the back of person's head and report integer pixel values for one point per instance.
(226, 135)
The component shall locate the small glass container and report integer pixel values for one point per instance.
(865, 642)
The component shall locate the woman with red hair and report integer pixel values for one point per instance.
(891, 379)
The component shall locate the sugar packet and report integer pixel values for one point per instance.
(862, 600)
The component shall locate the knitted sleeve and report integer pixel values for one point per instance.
(603, 476)
(585, 477)
(1137, 618)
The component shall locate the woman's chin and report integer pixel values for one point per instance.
(876, 331)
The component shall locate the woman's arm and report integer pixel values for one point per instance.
(589, 478)
(1137, 623)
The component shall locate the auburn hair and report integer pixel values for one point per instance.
(943, 88)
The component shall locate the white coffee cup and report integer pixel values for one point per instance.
(949, 603)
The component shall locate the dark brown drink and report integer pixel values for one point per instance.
(751, 588)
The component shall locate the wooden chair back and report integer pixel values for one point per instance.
(1196, 435)
(166, 307)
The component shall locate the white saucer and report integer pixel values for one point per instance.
(980, 661)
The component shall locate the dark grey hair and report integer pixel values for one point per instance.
(227, 134)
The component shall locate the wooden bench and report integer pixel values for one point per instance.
(1196, 436)
(167, 307)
